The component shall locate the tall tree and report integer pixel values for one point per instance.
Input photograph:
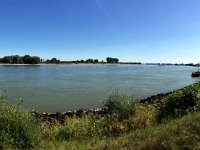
(112, 60)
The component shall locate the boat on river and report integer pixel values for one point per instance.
(196, 74)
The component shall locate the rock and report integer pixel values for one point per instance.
(69, 114)
(51, 115)
(79, 113)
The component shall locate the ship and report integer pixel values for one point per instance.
(197, 73)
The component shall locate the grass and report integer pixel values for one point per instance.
(127, 125)
(180, 102)
(181, 133)
(17, 128)
(120, 105)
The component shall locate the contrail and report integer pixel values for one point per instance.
(103, 10)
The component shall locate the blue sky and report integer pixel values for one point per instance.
(131, 30)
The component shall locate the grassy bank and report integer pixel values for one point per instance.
(182, 133)
(127, 125)
(18, 129)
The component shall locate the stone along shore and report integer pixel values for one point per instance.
(52, 118)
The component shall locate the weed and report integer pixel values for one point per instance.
(120, 105)
(180, 103)
(17, 128)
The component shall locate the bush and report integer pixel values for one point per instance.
(144, 117)
(73, 128)
(120, 105)
(17, 128)
(78, 128)
(180, 103)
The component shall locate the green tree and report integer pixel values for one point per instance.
(89, 61)
(53, 61)
(96, 61)
(35, 60)
(27, 59)
(112, 60)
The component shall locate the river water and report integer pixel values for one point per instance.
(61, 88)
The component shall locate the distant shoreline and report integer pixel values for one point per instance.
(70, 64)
(94, 64)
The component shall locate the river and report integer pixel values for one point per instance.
(69, 87)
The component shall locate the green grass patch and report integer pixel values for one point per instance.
(181, 133)
(17, 128)
(180, 102)
(120, 105)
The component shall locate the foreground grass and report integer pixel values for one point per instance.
(127, 125)
(181, 133)
(17, 127)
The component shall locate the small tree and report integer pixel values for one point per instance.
(120, 105)
(89, 61)
(112, 60)
(96, 61)
(54, 61)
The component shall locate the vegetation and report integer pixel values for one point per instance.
(182, 133)
(27, 59)
(112, 60)
(17, 127)
(52, 61)
(16, 59)
(127, 125)
(87, 61)
(120, 105)
(131, 63)
(180, 102)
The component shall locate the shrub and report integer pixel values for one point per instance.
(120, 105)
(97, 127)
(76, 128)
(180, 103)
(144, 117)
(86, 127)
(17, 128)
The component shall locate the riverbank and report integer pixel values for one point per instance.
(60, 117)
(123, 125)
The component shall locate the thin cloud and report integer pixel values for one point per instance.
(103, 9)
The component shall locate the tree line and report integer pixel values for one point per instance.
(16, 59)
(87, 61)
(27, 59)
(94, 61)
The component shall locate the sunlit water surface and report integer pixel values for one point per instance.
(60, 88)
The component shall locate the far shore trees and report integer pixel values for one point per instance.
(27, 59)
(112, 60)
(53, 61)
(87, 61)
(96, 61)
(16, 59)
